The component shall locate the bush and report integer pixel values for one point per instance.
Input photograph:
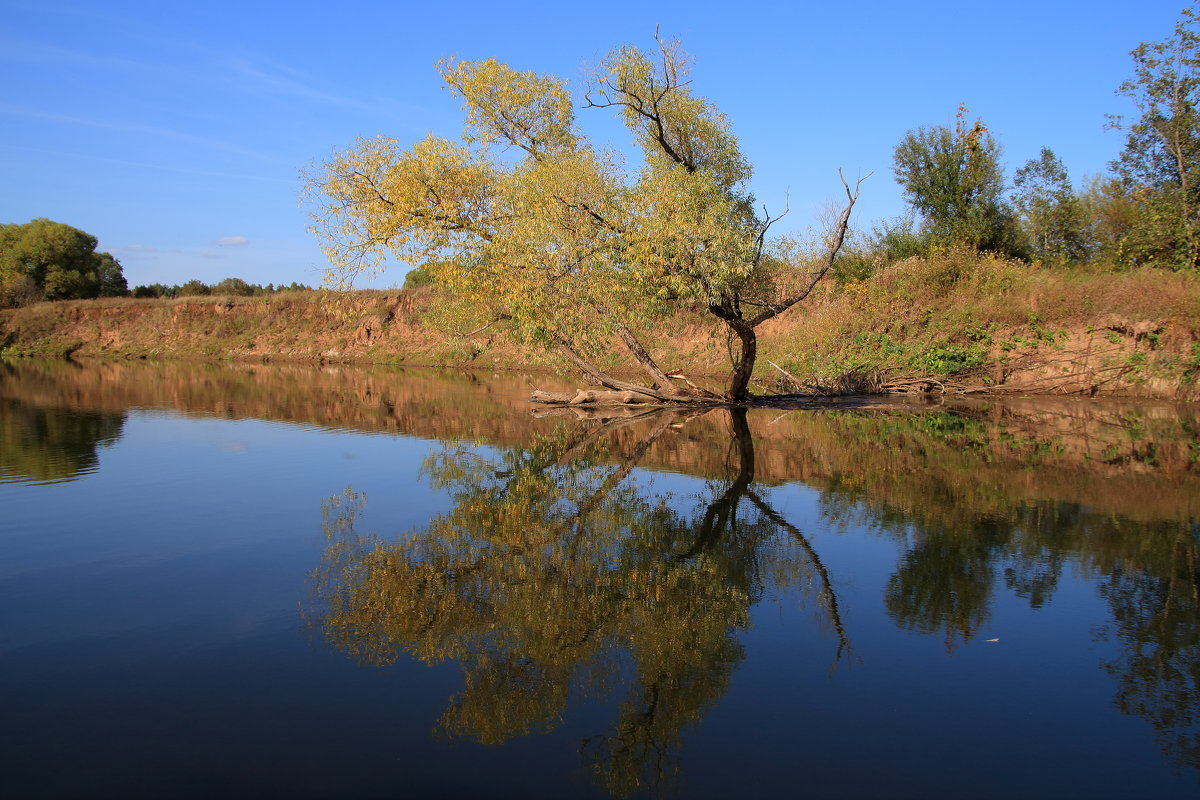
(236, 287)
(194, 288)
(46, 260)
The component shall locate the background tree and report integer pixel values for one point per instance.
(193, 288)
(110, 276)
(1054, 216)
(954, 181)
(1113, 216)
(564, 244)
(236, 287)
(1159, 169)
(45, 260)
(1160, 165)
(417, 277)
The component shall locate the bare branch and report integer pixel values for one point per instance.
(837, 237)
(768, 221)
(497, 318)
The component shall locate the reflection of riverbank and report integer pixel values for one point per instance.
(1136, 459)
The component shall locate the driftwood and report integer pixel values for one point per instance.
(593, 397)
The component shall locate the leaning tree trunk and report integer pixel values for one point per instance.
(730, 310)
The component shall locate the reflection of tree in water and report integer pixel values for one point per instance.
(557, 576)
(49, 445)
(958, 545)
(1155, 602)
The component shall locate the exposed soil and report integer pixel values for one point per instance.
(1113, 355)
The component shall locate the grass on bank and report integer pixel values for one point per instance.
(956, 316)
(960, 313)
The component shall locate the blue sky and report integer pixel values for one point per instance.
(176, 132)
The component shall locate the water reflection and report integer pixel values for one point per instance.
(563, 572)
(1149, 573)
(50, 445)
(966, 528)
(557, 575)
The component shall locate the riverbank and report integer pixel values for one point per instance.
(984, 454)
(954, 322)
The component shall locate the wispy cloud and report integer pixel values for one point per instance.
(233, 241)
(159, 167)
(280, 79)
(257, 74)
(243, 72)
(34, 52)
(10, 110)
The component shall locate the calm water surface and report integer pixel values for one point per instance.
(299, 582)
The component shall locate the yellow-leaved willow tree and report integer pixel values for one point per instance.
(531, 226)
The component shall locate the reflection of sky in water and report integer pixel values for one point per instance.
(173, 495)
(154, 608)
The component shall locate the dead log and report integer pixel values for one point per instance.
(593, 397)
(551, 398)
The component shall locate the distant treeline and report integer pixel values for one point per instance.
(230, 286)
(46, 260)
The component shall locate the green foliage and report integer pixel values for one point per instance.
(417, 277)
(953, 179)
(951, 359)
(1053, 214)
(888, 242)
(194, 288)
(111, 278)
(1159, 168)
(153, 290)
(937, 357)
(235, 287)
(46, 260)
(899, 239)
(1192, 367)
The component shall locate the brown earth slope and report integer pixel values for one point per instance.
(989, 326)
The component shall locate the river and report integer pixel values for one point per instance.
(285, 581)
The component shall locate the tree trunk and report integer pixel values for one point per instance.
(739, 382)
(668, 393)
(659, 378)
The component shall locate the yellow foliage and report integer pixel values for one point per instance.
(563, 242)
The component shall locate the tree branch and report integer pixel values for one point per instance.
(605, 379)
(837, 237)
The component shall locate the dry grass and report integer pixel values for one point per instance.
(958, 320)
(961, 313)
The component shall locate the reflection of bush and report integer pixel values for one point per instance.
(51, 445)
